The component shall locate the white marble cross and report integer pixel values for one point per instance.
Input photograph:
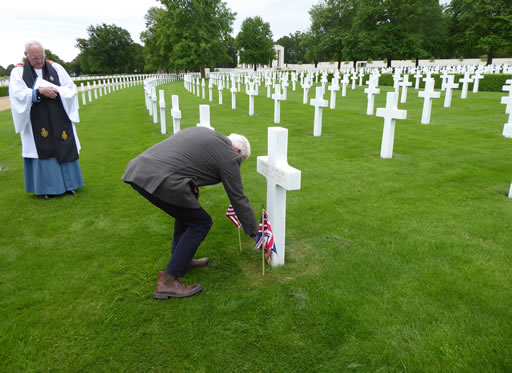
(333, 88)
(280, 178)
(100, 88)
(404, 84)
(233, 96)
(89, 91)
(176, 113)
(154, 105)
(418, 77)
(285, 85)
(277, 97)
(344, 83)
(444, 79)
(354, 79)
(465, 82)
(507, 129)
(163, 125)
(210, 90)
(372, 90)
(203, 85)
(305, 86)
(428, 94)
(510, 192)
(220, 87)
(319, 103)
(361, 76)
(83, 93)
(204, 116)
(251, 92)
(390, 113)
(105, 87)
(476, 81)
(95, 90)
(449, 86)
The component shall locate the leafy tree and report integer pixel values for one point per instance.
(311, 43)
(53, 57)
(74, 68)
(109, 49)
(157, 39)
(3, 71)
(254, 42)
(331, 24)
(481, 26)
(294, 50)
(230, 62)
(194, 33)
(395, 29)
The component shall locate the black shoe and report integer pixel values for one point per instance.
(72, 192)
(48, 196)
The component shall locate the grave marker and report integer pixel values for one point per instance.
(163, 126)
(277, 97)
(428, 94)
(204, 116)
(465, 82)
(280, 178)
(372, 90)
(404, 84)
(251, 92)
(319, 103)
(449, 86)
(390, 113)
(176, 113)
(333, 88)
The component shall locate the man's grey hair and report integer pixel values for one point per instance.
(241, 143)
(33, 42)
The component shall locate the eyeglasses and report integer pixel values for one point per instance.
(37, 58)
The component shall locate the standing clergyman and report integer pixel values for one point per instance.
(169, 175)
(44, 106)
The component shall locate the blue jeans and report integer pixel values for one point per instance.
(190, 229)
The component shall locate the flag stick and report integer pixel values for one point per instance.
(239, 240)
(263, 244)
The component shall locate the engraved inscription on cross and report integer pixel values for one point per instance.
(280, 178)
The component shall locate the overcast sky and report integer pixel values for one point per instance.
(57, 24)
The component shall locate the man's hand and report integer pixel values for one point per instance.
(49, 92)
(196, 192)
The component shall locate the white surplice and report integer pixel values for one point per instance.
(21, 102)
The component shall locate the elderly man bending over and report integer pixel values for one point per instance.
(169, 175)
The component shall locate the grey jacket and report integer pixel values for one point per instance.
(191, 158)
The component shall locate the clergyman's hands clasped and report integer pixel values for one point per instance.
(49, 92)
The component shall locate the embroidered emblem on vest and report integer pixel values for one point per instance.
(52, 78)
(44, 132)
(64, 135)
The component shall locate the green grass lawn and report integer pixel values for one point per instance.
(391, 265)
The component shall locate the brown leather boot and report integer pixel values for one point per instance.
(198, 263)
(170, 287)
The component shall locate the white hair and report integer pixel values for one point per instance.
(241, 142)
(33, 42)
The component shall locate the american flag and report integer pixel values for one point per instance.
(269, 244)
(232, 216)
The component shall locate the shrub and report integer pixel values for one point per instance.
(493, 82)
(4, 91)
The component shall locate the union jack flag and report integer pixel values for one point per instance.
(268, 242)
(232, 216)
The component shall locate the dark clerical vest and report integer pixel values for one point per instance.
(52, 129)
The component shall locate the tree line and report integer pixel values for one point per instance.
(192, 35)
